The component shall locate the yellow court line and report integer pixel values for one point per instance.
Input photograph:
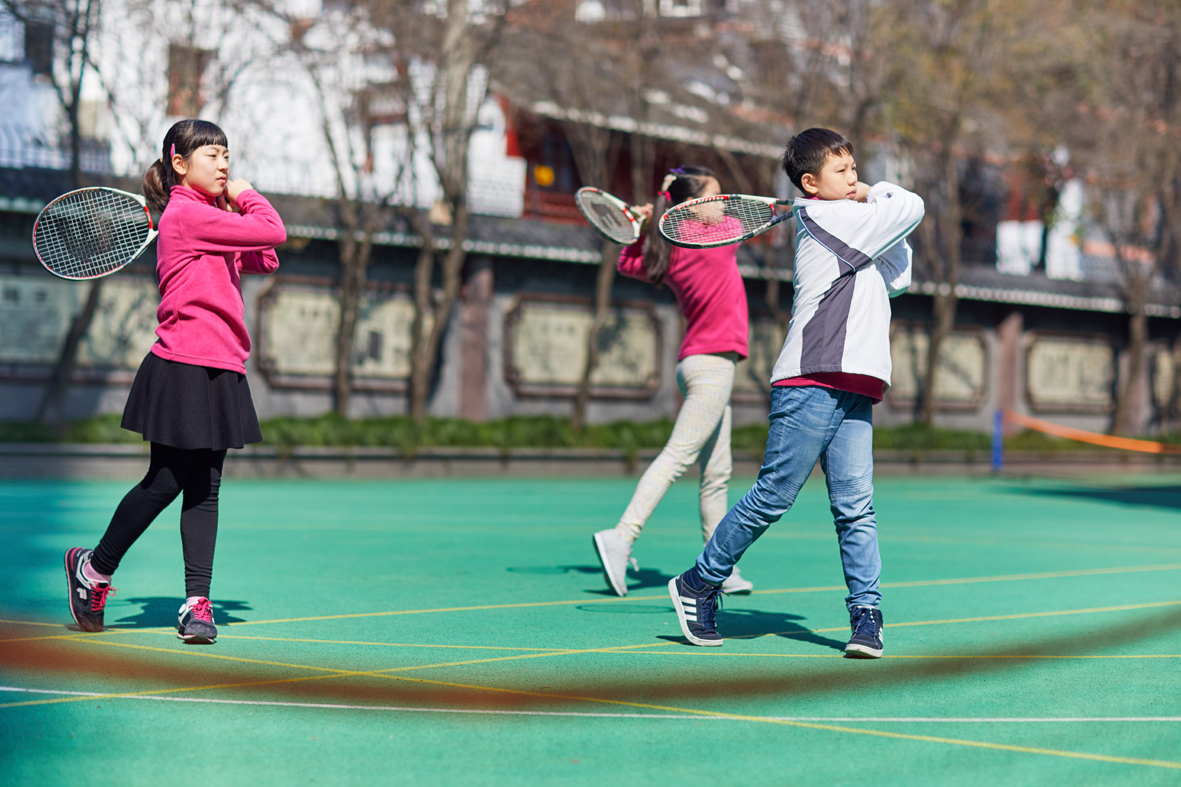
(921, 583)
(382, 644)
(39, 639)
(943, 540)
(918, 583)
(1002, 578)
(333, 672)
(688, 711)
(814, 726)
(154, 692)
(28, 623)
(716, 653)
(990, 617)
(799, 633)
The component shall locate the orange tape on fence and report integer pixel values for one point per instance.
(1126, 443)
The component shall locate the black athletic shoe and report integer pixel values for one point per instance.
(87, 598)
(196, 623)
(866, 642)
(695, 609)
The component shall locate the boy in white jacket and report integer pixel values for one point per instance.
(851, 258)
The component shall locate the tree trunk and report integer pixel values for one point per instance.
(51, 411)
(944, 309)
(354, 266)
(945, 263)
(1173, 424)
(419, 361)
(427, 347)
(1126, 401)
(603, 282)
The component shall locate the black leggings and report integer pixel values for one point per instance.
(197, 473)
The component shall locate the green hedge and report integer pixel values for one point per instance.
(524, 432)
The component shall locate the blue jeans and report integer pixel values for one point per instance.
(810, 423)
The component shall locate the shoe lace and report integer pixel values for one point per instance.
(203, 610)
(98, 596)
(635, 566)
(710, 603)
(865, 623)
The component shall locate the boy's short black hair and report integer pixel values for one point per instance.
(808, 150)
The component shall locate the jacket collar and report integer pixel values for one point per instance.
(191, 195)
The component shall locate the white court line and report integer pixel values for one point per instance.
(681, 716)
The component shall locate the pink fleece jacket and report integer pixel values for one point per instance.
(201, 253)
(710, 292)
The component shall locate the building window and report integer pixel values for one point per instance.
(186, 64)
(681, 7)
(39, 46)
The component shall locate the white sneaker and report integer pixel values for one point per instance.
(614, 553)
(735, 585)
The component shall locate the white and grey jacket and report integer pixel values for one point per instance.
(851, 258)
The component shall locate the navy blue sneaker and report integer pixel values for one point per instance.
(695, 608)
(866, 642)
(88, 598)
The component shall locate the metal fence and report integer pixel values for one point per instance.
(22, 147)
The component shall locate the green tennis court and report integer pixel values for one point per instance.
(459, 631)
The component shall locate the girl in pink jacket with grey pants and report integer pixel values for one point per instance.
(712, 298)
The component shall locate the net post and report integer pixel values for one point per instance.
(998, 440)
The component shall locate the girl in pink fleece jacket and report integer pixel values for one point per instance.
(190, 398)
(712, 298)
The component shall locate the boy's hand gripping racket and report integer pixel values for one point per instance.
(92, 232)
(611, 216)
(720, 220)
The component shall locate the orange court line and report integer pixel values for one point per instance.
(1094, 438)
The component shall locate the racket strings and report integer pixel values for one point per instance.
(90, 233)
(607, 217)
(715, 221)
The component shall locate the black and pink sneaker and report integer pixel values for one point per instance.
(196, 623)
(88, 598)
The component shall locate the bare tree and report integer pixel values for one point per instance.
(73, 24)
(442, 52)
(354, 90)
(944, 75)
(1135, 165)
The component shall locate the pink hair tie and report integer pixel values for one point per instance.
(665, 194)
(173, 153)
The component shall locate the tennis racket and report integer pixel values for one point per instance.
(720, 220)
(92, 232)
(610, 215)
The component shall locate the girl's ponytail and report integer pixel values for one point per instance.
(680, 184)
(658, 251)
(182, 139)
(158, 182)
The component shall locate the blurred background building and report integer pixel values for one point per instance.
(424, 156)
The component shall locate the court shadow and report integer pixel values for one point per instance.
(637, 580)
(624, 608)
(554, 570)
(752, 623)
(1156, 496)
(159, 611)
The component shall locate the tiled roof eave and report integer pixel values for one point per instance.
(1054, 300)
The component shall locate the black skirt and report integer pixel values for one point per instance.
(185, 406)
